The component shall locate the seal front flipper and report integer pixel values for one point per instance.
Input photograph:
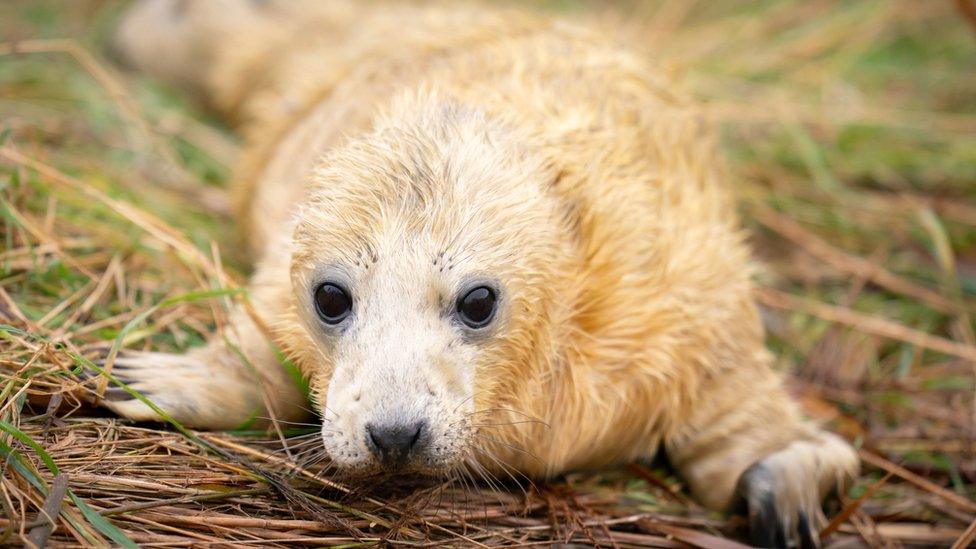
(229, 382)
(758, 456)
(191, 388)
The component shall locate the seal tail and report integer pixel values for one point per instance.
(223, 51)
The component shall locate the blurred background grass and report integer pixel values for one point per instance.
(849, 129)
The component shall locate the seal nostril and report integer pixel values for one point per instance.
(395, 444)
(416, 436)
(377, 441)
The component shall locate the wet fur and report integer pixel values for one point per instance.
(585, 179)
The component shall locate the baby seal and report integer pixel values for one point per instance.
(487, 239)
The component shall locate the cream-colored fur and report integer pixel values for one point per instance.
(410, 149)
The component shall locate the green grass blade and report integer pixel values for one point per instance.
(100, 523)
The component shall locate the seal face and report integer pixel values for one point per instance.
(415, 295)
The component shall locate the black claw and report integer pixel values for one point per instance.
(765, 528)
(117, 367)
(755, 491)
(116, 394)
(86, 374)
(100, 352)
(808, 538)
(90, 373)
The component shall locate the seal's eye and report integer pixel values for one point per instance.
(477, 307)
(332, 303)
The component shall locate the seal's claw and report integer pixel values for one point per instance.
(808, 537)
(766, 529)
(131, 368)
(87, 374)
(782, 493)
(116, 394)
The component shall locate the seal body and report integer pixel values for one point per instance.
(406, 158)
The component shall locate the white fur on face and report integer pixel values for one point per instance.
(400, 359)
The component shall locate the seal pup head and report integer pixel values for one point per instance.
(431, 262)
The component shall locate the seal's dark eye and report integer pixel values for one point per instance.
(477, 307)
(332, 303)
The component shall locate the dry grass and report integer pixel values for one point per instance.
(851, 133)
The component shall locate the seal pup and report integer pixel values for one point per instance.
(487, 239)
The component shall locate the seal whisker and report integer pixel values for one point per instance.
(507, 469)
(509, 410)
(505, 423)
(284, 422)
(509, 446)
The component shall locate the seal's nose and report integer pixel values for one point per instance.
(394, 443)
